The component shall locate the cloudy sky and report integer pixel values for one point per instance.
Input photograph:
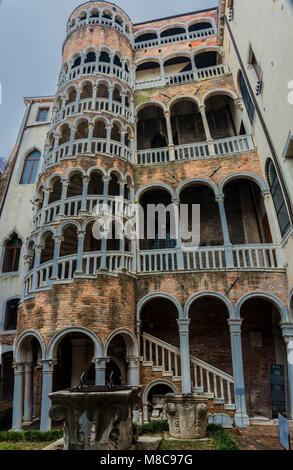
(31, 36)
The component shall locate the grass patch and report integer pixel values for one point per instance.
(31, 436)
(24, 445)
(223, 441)
(154, 427)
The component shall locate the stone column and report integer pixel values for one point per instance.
(112, 63)
(28, 411)
(86, 180)
(108, 130)
(71, 139)
(47, 193)
(163, 78)
(122, 134)
(133, 370)
(210, 141)
(287, 331)
(57, 239)
(56, 143)
(27, 260)
(65, 184)
(78, 92)
(241, 417)
(94, 97)
(111, 90)
(80, 234)
(90, 137)
(18, 396)
(100, 368)
(225, 231)
(38, 251)
(171, 146)
(184, 354)
(47, 381)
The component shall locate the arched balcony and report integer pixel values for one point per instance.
(175, 33)
(100, 136)
(191, 130)
(82, 194)
(107, 16)
(101, 60)
(179, 68)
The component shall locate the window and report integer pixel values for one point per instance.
(278, 198)
(12, 254)
(30, 168)
(288, 152)
(43, 114)
(254, 63)
(11, 315)
(246, 98)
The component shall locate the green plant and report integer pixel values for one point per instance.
(30, 436)
(223, 441)
(153, 427)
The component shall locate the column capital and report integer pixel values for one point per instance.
(235, 324)
(183, 324)
(100, 362)
(48, 365)
(202, 108)
(220, 197)
(81, 234)
(287, 331)
(106, 179)
(57, 238)
(18, 367)
(85, 178)
(266, 193)
(28, 367)
(133, 361)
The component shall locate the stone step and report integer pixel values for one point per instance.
(167, 373)
(148, 363)
(157, 368)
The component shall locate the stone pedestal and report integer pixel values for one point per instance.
(187, 415)
(97, 420)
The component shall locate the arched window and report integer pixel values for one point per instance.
(246, 98)
(12, 254)
(11, 315)
(30, 168)
(278, 198)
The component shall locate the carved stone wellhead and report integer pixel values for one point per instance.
(96, 420)
(187, 416)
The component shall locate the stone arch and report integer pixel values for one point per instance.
(213, 294)
(175, 100)
(129, 338)
(153, 384)
(245, 175)
(55, 340)
(151, 186)
(148, 59)
(67, 223)
(202, 49)
(278, 304)
(73, 171)
(142, 32)
(219, 91)
(171, 26)
(43, 232)
(118, 172)
(158, 295)
(96, 168)
(26, 334)
(192, 181)
(172, 55)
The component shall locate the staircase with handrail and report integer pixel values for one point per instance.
(206, 379)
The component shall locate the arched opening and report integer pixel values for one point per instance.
(264, 359)
(87, 91)
(31, 255)
(55, 193)
(145, 37)
(64, 134)
(157, 231)
(81, 130)
(115, 233)
(96, 184)
(199, 26)
(12, 251)
(90, 57)
(75, 185)
(278, 198)
(99, 131)
(30, 168)
(177, 65)
(187, 125)
(156, 401)
(119, 349)
(246, 214)
(103, 90)
(74, 354)
(118, 20)
(91, 244)
(172, 32)
(6, 378)
(76, 62)
(48, 244)
(155, 315)
(69, 241)
(207, 59)
(117, 94)
(116, 132)
(117, 61)
(210, 222)
(94, 13)
(82, 16)
(104, 57)
(148, 71)
(71, 96)
(209, 341)
(107, 14)
(114, 186)
(221, 116)
(151, 128)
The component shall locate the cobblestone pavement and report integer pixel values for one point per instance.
(258, 438)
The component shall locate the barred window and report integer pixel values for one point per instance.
(278, 198)
(246, 98)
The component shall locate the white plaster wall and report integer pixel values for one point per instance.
(18, 210)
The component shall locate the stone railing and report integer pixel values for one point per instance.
(204, 258)
(111, 148)
(205, 378)
(183, 77)
(103, 22)
(99, 105)
(186, 36)
(197, 151)
(92, 68)
(72, 206)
